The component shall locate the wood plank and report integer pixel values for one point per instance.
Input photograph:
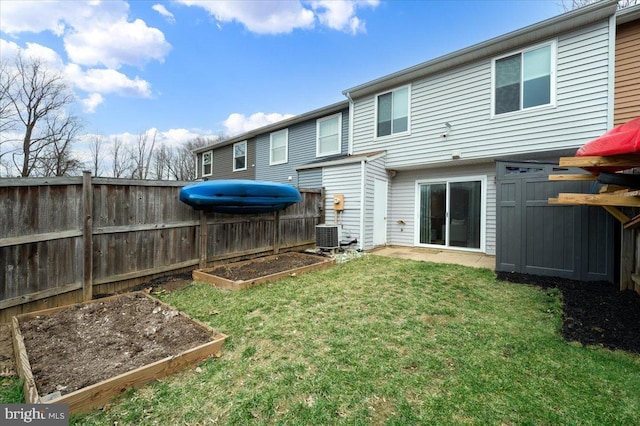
(23, 366)
(143, 227)
(623, 218)
(627, 252)
(597, 200)
(204, 237)
(145, 272)
(36, 238)
(44, 294)
(573, 177)
(633, 223)
(628, 161)
(87, 237)
(97, 395)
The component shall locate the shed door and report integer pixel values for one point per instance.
(538, 238)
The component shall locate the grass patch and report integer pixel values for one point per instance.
(387, 341)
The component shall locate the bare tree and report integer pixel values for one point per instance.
(183, 163)
(33, 93)
(141, 155)
(162, 159)
(121, 160)
(56, 158)
(576, 4)
(96, 145)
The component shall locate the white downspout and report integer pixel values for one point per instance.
(351, 114)
(612, 72)
(362, 203)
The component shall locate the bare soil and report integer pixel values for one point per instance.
(88, 343)
(594, 313)
(261, 267)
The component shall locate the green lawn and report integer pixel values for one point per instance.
(385, 341)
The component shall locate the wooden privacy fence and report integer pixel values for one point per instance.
(66, 240)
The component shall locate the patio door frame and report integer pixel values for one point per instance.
(483, 211)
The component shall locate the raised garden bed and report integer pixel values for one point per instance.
(240, 275)
(86, 354)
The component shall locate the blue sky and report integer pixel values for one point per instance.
(189, 68)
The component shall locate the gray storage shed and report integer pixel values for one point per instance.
(538, 238)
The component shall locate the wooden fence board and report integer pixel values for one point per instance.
(137, 230)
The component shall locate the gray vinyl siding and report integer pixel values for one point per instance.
(373, 170)
(223, 163)
(302, 151)
(462, 97)
(344, 180)
(402, 201)
(310, 178)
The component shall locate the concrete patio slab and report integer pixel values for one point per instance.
(476, 260)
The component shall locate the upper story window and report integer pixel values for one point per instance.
(279, 150)
(240, 156)
(392, 112)
(328, 135)
(524, 79)
(207, 163)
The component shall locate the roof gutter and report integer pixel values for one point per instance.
(510, 41)
(628, 14)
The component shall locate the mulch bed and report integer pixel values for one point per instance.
(594, 313)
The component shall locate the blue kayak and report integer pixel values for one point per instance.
(238, 196)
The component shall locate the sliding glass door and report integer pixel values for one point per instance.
(450, 213)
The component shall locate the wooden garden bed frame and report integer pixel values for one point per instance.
(98, 394)
(205, 275)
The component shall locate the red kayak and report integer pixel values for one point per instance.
(623, 139)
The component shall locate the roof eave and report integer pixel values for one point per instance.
(527, 35)
(628, 14)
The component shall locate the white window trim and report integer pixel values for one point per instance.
(286, 148)
(483, 212)
(375, 118)
(211, 163)
(552, 100)
(320, 120)
(233, 155)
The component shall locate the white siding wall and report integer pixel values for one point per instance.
(345, 180)
(402, 201)
(462, 97)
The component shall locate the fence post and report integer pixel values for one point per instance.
(276, 232)
(203, 239)
(87, 237)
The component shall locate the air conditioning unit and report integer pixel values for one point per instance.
(327, 236)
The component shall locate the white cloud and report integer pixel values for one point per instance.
(9, 50)
(135, 44)
(93, 32)
(164, 12)
(340, 15)
(238, 123)
(100, 80)
(91, 102)
(277, 16)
